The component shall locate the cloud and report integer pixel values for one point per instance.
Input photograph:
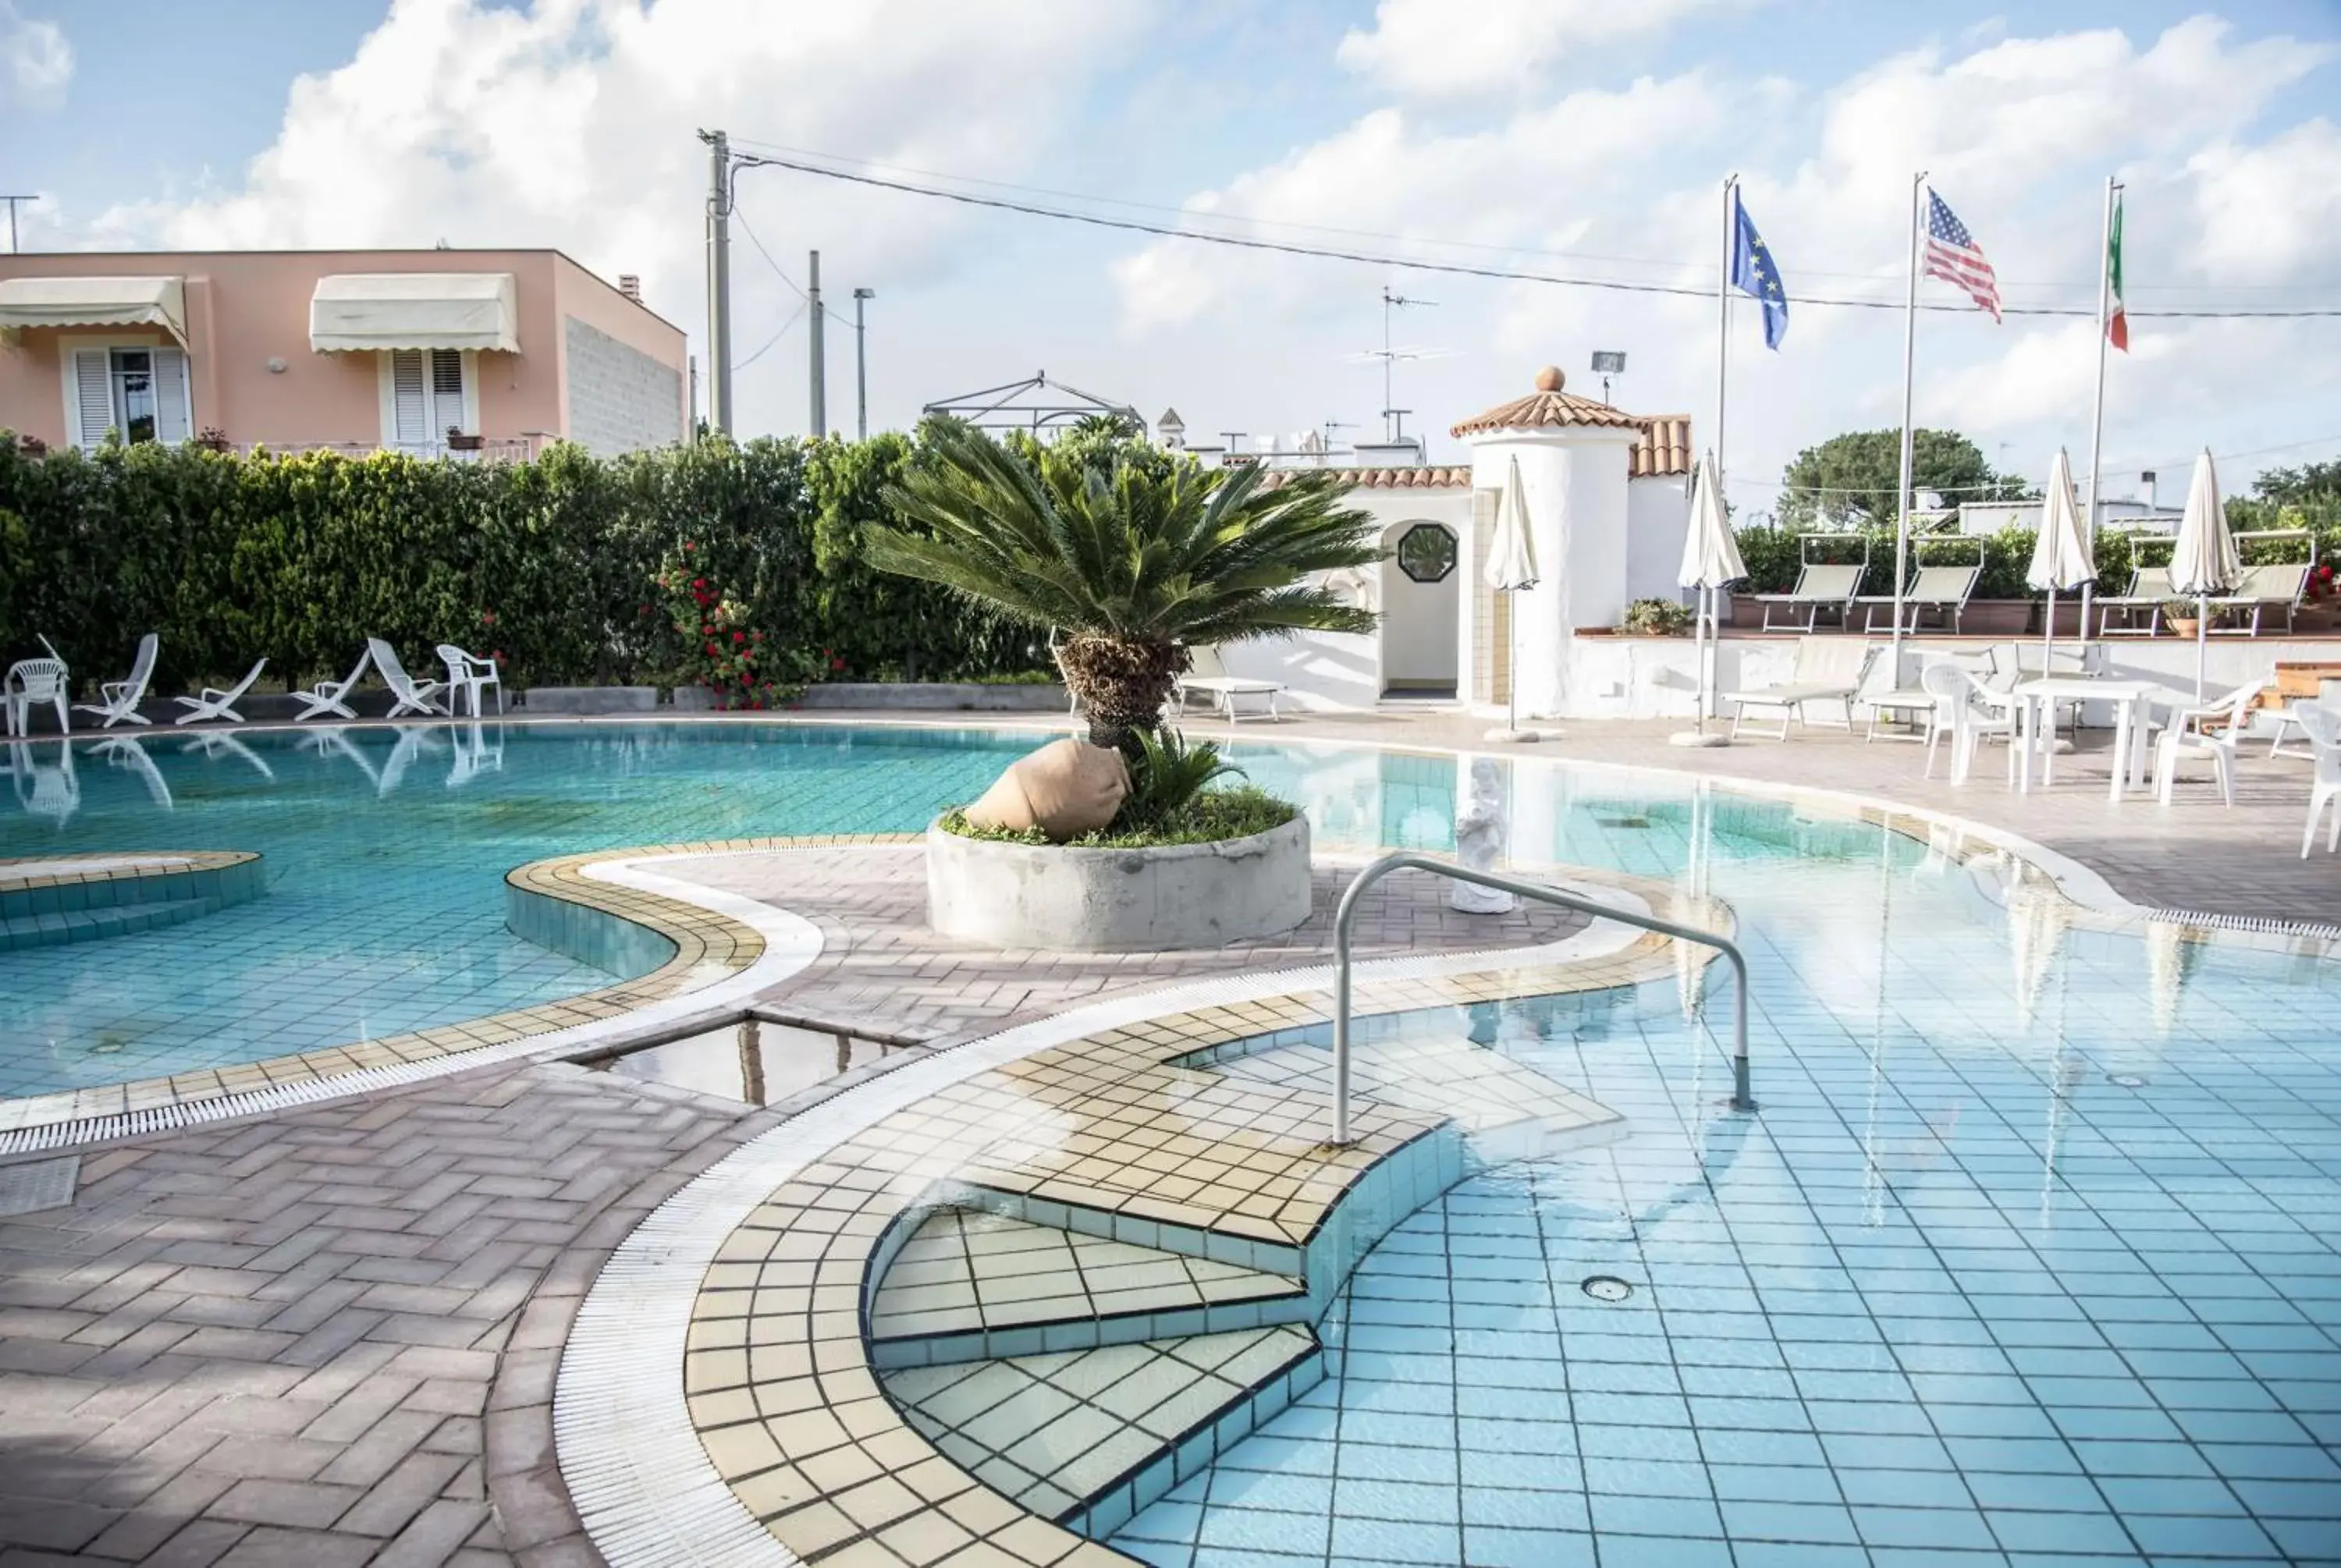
(569, 123)
(1436, 48)
(35, 61)
(1385, 174)
(2225, 210)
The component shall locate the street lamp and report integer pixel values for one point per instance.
(861, 368)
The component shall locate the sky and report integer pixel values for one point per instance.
(1585, 139)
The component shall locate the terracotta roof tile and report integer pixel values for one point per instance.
(1546, 407)
(1422, 478)
(1665, 447)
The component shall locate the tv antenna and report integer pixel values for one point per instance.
(1394, 418)
(1333, 424)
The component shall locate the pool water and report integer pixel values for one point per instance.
(2029, 1257)
(385, 851)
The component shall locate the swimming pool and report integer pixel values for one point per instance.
(385, 852)
(2031, 1257)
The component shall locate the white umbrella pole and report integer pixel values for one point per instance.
(1512, 663)
(1699, 653)
(2048, 635)
(2202, 640)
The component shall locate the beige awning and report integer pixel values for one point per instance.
(360, 310)
(156, 302)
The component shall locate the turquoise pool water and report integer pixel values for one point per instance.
(385, 853)
(2030, 1258)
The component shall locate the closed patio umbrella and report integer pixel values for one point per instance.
(1711, 562)
(2206, 560)
(1511, 568)
(2060, 560)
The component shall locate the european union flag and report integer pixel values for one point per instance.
(1754, 274)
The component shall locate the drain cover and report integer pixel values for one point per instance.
(2127, 1080)
(1622, 821)
(1607, 1287)
(36, 1185)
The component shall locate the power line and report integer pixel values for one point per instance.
(739, 218)
(1284, 247)
(794, 316)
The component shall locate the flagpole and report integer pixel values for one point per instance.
(2097, 412)
(1706, 597)
(1909, 355)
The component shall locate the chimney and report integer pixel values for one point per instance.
(630, 285)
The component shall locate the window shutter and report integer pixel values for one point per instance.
(447, 393)
(174, 418)
(93, 388)
(410, 418)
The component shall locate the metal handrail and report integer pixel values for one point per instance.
(1742, 1099)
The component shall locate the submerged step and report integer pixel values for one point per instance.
(93, 925)
(1087, 1438)
(970, 1284)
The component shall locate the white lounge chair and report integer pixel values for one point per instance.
(334, 740)
(217, 704)
(1826, 670)
(32, 681)
(1819, 587)
(333, 696)
(2149, 587)
(1945, 589)
(411, 696)
(2280, 586)
(413, 740)
(2322, 728)
(1208, 676)
(2210, 730)
(127, 751)
(467, 675)
(119, 700)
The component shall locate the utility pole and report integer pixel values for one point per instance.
(818, 349)
(861, 367)
(719, 280)
(12, 201)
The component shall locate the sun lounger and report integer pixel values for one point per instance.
(411, 696)
(2278, 586)
(1945, 589)
(333, 696)
(1208, 676)
(216, 704)
(2149, 586)
(119, 700)
(1827, 670)
(1819, 587)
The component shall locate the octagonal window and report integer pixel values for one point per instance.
(1426, 552)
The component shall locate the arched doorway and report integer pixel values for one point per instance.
(1421, 602)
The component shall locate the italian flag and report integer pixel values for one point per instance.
(2116, 321)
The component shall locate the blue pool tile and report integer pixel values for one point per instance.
(1512, 1508)
(1419, 1501)
(1395, 1541)
(2058, 1531)
(1938, 1528)
(1783, 1521)
(2174, 1535)
(1487, 1546)
(1262, 1530)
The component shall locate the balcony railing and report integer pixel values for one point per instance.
(499, 449)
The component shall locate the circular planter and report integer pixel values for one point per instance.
(1061, 899)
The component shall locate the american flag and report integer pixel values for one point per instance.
(1953, 256)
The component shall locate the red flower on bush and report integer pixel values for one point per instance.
(497, 656)
(837, 664)
(487, 618)
(712, 651)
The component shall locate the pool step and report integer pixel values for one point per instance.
(65, 926)
(970, 1284)
(1087, 1438)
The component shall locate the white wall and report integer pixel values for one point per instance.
(1658, 519)
(1421, 620)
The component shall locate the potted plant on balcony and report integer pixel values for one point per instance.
(458, 441)
(1132, 556)
(2179, 616)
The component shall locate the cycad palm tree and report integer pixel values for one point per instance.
(1132, 563)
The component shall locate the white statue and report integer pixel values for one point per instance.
(1483, 824)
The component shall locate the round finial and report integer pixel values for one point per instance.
(1549, 379)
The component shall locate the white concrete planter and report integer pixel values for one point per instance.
(1077, 900)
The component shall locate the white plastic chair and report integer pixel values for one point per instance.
(119, 700)
(467, 675)
(1982, 713)
(35, 681)
(2191, 733)
(2322, 728)
(411, 696)
(333, 696)
(1947, 685)
(216, 704)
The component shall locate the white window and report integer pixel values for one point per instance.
(139, 391)
(425, 394)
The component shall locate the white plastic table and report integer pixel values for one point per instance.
(2037, 701)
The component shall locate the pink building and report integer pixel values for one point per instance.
(426, 351)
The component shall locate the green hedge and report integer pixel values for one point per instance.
(550, 562)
